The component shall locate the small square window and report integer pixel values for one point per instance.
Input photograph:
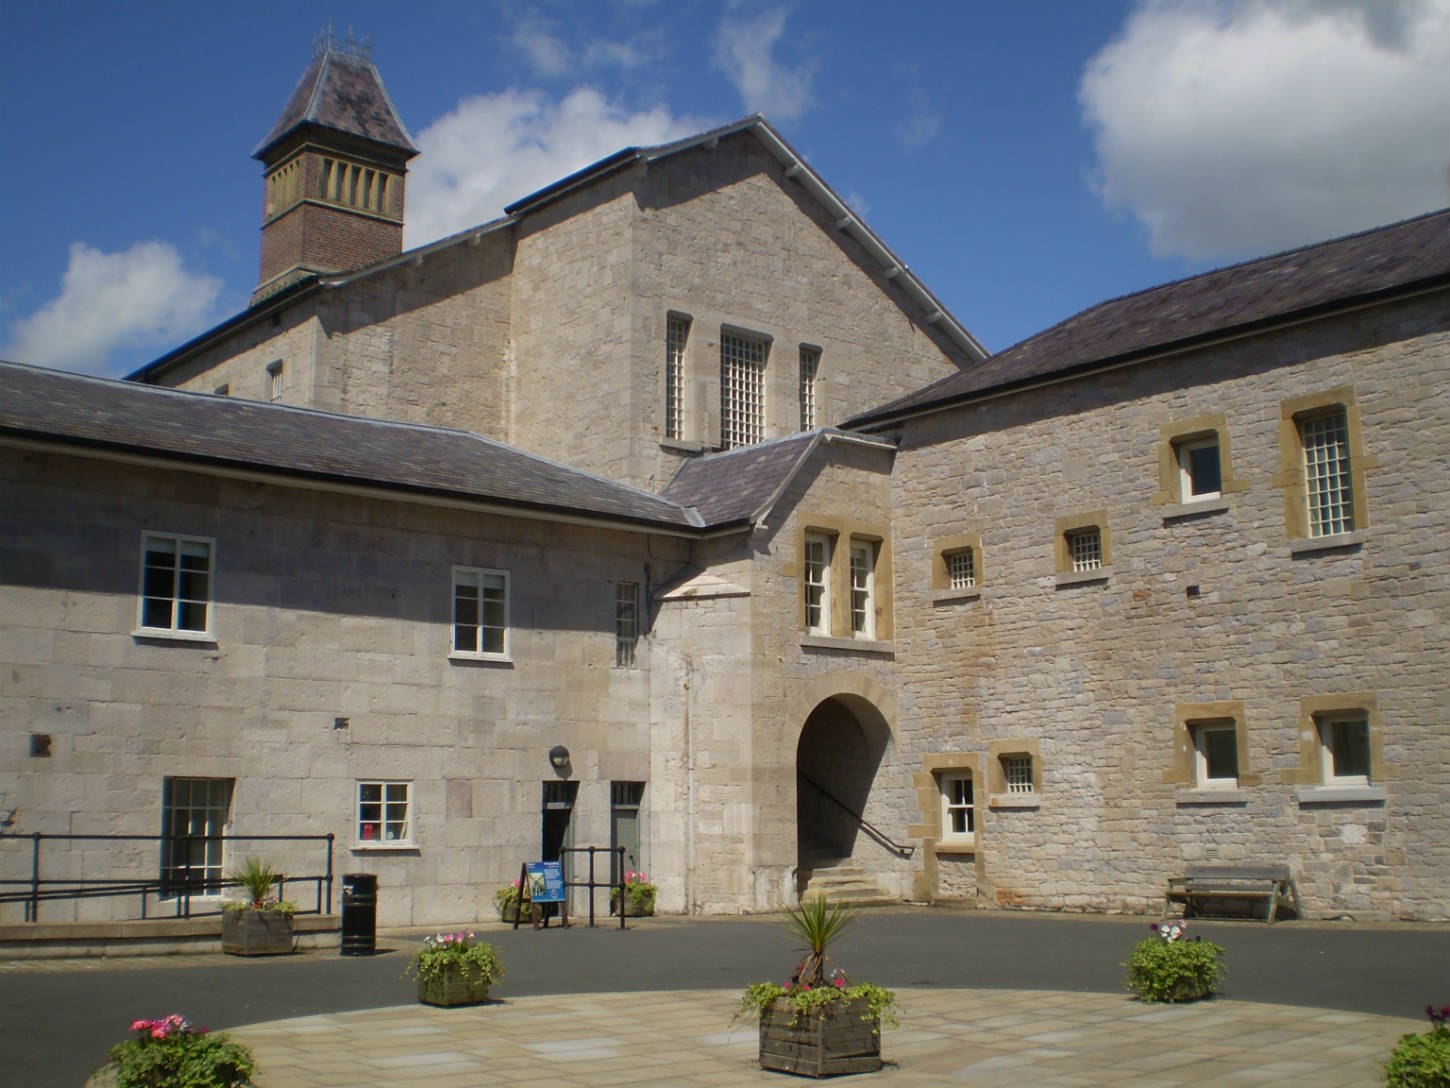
(384, 813)
(480, 612)
(1085, 548)
(1017, 772)
(176, 584)
(962, 570)
(1344, 748)
(958, 811)
(626, 623)
(817, 584)
(1216, 754)
(1199, 473)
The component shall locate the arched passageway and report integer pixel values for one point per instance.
(841, 746)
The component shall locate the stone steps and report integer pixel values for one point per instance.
(844, 882)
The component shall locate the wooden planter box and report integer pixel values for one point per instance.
(820, 1046)
(454, 986)
(256, 932)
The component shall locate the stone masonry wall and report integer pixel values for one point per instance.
(1196, 610)
(325, 607)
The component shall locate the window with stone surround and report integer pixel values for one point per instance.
(1082, 548)
(1344, 747)
(863, 591)
(1322, 467)
(1195, 467)
(626, 623)
(816, 583)
(384, 813)
(1014, 770)
(176, 585)
(810, 367)
(947, 799)
(959, 820)
(480, 613)
(742, 390)
(677, 331)
(956, 568)
(195, 813)
(1216, 760)
(1341, 750)
(1210, 758)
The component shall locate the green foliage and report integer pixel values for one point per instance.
(1420, 1061)
(479, 960)
(256, 878)
(639, 897)
(818, 923)
(507, 898)
(169, 1053)
(807, 1000)
(1172, 970)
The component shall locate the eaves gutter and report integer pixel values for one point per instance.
(887, 419)
(340, 484)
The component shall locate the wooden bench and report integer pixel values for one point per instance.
(1273, 883)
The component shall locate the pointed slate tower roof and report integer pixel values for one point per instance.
(342, 92)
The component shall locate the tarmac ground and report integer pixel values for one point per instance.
(987, 998)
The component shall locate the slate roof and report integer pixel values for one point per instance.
(342, 92)
(740, 485)
(1239, 299)
(203, 429)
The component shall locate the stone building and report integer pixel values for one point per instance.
(677, 469)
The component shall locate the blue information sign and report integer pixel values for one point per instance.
(546, 881)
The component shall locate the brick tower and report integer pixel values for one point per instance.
(335, 164)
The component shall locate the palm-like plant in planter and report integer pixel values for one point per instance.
(819, 1024)
(259, 925)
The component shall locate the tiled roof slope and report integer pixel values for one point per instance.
(342, 92)
(740, 485)
(1236, 299)
(200, 428)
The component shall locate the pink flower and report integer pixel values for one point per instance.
(840, 984)
(140, 1025)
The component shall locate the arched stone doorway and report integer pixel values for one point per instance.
(840, 748)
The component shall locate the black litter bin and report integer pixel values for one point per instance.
(359, 914)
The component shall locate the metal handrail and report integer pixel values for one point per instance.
(181, 886)
(872, 831)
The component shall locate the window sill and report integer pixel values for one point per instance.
(1082, 577)
(480, 659)
(1332, 795)
(680, 445)
(1326, 543)
(1200, 508)
(1014, 800)
(957, 846)
(955, 596)
(1210, 797)
(856, 645)
(158, 634)
(385, 848)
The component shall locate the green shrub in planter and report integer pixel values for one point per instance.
(170, 1053)
(1422, 1061)
(1168, 968)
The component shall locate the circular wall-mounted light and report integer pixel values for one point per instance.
(559, 757)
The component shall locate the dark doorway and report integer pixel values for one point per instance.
(559, 829)
(840, 748)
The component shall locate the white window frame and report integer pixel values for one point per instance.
(742, 390)
(180, 546)
(1324, 728)
(1085, 548)
(1017, 772)
(962, 569)
(953, 802)
(274, 381)
(1201, 732)
(863, 589)
(677, 333)
(207, 817)
(375, 806)
(1185, 450)
(1328, 481)
(476, 578)
(626, 624)
(816, 582)
(810, 368)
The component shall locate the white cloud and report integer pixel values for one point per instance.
(547, 53)
(1237, 127)
(494, 149)
(142, 297)
(550, 55)
(744, 50)
(921, 123)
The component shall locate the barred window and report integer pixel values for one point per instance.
(1085, 547)
(1017, 773)
(810, 364)
(626, 623)
(1325, 439)
(742, 391)
(677, 330)
(961, 570)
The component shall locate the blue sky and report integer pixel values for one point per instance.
(1026, 159)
